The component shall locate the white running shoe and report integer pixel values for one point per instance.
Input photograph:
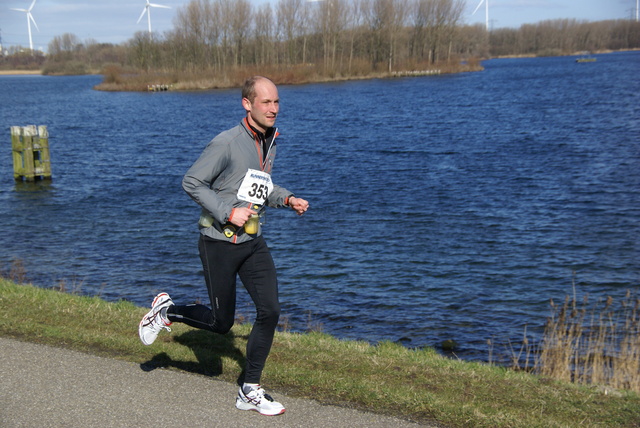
(153, 322)
(259, 401)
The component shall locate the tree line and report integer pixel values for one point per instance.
(565, 36)
(341, 37)
(332, 38)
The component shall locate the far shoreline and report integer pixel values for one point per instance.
(19, 72)
(133, 84)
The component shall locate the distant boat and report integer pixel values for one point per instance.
(586, 57)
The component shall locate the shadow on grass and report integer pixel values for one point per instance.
(208, 348)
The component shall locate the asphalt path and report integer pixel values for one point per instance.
(45, 386)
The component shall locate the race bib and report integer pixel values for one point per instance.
(255, 187)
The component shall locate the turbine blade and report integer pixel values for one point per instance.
(478, 7)
(142, 14)
(32, 4)
(20, 10)
(159, 5)
(33, 20)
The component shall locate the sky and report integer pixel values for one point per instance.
(114, 21)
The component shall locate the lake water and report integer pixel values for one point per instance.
(442, 207)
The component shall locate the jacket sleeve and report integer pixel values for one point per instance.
(199, 179)
(278, 196)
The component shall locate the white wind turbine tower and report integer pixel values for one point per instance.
(29, 21)
(147, 10)
(486, 12)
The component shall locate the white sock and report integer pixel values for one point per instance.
(247, 387)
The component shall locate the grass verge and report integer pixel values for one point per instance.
(418, 385)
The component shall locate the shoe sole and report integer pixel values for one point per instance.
(241, 405)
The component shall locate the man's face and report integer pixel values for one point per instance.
(263, 111)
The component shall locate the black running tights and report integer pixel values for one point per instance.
(222, 261)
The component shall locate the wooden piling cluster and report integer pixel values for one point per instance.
(415, 73)
(30, 146)
(158, 88)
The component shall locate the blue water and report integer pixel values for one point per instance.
(442, 207)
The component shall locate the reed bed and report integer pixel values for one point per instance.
(596, 344)
(117, 78)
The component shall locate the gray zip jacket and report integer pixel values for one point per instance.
(214, 179)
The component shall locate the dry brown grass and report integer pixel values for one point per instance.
(593, 344)
(117, 79)
(19, 72)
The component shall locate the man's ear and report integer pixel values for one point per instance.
(246, 104)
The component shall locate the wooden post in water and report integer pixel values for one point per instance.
(30, 146)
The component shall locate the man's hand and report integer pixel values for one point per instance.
(299, 205)
(239, 216)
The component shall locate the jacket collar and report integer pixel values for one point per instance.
(257, 135)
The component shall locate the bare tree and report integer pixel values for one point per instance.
(196, 35)
(142, 50)
(264, 36)
(241, 22)
(386, 20)
(375, 21)
(290, 20)
(330, 19)
(355, 21)
(452, 23)
(398, 11)
(305, 19)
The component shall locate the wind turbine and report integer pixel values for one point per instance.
(486, 12)
(147, 10)
(29, 21)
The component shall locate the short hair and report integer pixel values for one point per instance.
(249, 87)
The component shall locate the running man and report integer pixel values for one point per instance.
(231, 181)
